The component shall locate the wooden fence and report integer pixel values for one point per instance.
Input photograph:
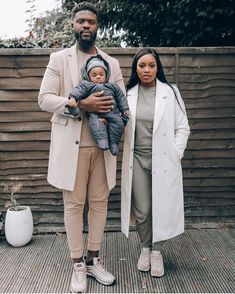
(206, 78)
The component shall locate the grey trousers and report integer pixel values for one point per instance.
(142, 200)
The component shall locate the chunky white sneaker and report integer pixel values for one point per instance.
(79, 278)
(144, 260)
(99, 272)
(157, 266)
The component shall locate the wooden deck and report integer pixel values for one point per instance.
(198, 261)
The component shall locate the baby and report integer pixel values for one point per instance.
(106, 128)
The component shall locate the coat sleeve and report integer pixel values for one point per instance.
(82, 90)
(118, 78)
(182, 129)
(120, 99)
(49, 98)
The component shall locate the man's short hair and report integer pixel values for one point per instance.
(84, 6)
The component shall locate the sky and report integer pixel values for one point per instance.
(13, 16)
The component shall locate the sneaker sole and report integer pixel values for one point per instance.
(158, 276)
(100, 281)
(74, 292)
(144, 270)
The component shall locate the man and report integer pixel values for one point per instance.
(76, 164)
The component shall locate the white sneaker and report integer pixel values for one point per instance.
(157, 266)
(79, 278)
(144, 260)
(99, 272)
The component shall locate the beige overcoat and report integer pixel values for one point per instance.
(170, 135)
(62, 74)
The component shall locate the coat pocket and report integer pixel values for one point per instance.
(59, 119)
(178, 153)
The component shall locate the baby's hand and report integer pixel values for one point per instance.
(72, 102)
(126, 113)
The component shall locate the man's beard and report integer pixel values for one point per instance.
(85, 43)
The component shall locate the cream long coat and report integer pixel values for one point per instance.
(170, 135)
(62, 74)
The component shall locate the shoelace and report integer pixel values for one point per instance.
(101, 267)
(144, 253)
(80, 273)
(156, 259)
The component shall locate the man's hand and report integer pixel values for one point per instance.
(97, 103)
(72, 102)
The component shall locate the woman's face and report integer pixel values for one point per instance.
(147, 70)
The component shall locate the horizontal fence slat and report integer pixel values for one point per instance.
(205, 78)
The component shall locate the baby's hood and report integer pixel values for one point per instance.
(84, 68)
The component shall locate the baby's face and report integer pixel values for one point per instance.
(97, 75)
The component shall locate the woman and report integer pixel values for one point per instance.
(154, 143)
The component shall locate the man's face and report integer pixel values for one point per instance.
(85, 27)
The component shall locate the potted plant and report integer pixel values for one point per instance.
(18, 221)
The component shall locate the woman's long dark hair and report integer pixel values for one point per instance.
(134, 79)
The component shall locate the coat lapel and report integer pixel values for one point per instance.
(73, 64)
(160, 104)
(132, 98)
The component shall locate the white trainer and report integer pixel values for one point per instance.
(79, 278)
(144, 260)
(99, 272)
(157, 266)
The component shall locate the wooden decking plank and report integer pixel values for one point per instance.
(36, 269)
(224, 255)
(198, 261)
(17, 265)
(211, 255)
(201, 258)
(48, 268)
(8, 266)
(193, 271)
(62, 260)
(227, 238)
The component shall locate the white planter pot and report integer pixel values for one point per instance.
(19, 226)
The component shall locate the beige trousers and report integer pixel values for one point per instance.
(91, 184)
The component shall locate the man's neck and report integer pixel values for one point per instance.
(91, 51)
